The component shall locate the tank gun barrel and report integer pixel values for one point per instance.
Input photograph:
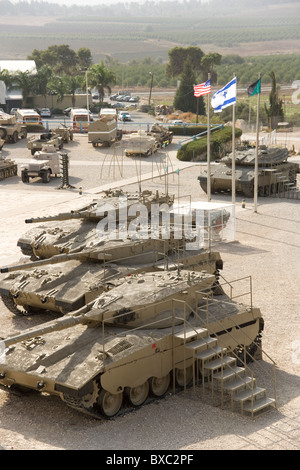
(83, 255)
(69, 320)
(62, 216)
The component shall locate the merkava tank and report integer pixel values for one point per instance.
(66, 282)
(75, 230)
(8, 168)
(274, 172)
(118, 350)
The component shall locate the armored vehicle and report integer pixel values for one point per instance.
(36, 144)
(140, 144)
(44, 164)
(74, 230)
(66, 133)
(162, 135)
(117, 351)
(7, 168)
(104, 131)
(65, 283)
(10, 129)
(275, 173)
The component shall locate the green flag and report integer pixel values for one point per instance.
(255, 88)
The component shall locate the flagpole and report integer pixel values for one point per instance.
(233, 155)
(256, 153)
(208, 148)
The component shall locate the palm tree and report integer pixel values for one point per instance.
(72, 83)
(101, 78)
(42, 80)
(24, 81)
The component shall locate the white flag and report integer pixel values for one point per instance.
(224, 97)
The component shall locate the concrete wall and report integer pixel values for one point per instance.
(51, 101)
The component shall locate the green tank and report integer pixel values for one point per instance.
(132, 344)
(275, 172)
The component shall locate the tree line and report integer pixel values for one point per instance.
(61, 71)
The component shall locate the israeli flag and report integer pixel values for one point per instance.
(224, 97)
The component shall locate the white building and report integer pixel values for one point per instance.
(13, 98)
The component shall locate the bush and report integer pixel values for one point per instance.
(218, 139)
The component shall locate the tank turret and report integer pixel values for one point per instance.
(275, 172)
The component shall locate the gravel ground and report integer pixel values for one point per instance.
(266, 247)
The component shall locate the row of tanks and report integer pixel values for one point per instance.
(129, 315)
(275, 172)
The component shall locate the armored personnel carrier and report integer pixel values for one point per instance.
(7, 168)
(104, 131)
(275, 173)
(67, 282)
(122, 348)
(77, 229)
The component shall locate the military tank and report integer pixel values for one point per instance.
(117, 351)
(8, 168)
(65, 282)
(75, 230)
(275, 173)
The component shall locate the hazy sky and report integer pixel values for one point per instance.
(93, 2)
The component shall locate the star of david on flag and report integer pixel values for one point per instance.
(224, 97)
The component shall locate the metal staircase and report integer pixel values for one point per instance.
(218, 372)
(285, 189)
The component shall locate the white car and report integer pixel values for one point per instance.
(45, 112)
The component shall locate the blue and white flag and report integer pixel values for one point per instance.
(224, 97)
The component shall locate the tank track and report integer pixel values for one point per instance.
(76, 403)
(10, 305)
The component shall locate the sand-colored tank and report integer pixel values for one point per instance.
(275, 172)
(7, 168)
(77, 230)
(124, 347)
(67, 282)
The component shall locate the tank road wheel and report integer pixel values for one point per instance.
(15, 137)
(183, 377)
(137, 395)
(159, 386)
(24, 176)
(109, 403)
(46, 176)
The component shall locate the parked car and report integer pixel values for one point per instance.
(124, 116)
(45, 112)
(67, 111)
(118, 105)
(14, 111)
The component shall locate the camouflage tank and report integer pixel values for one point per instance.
(75, 230)
(7, 168)
(121, 349)
(275, 173)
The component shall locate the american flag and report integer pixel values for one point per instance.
(202, 89)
